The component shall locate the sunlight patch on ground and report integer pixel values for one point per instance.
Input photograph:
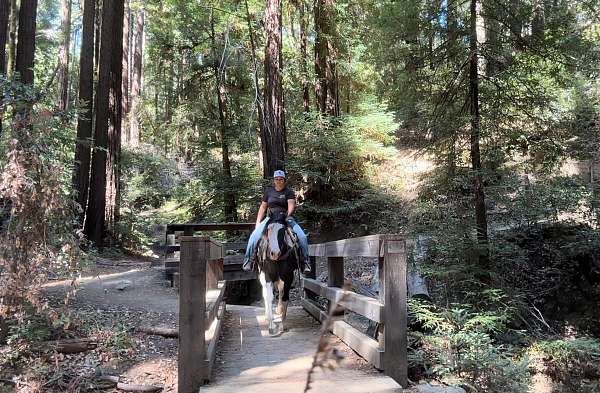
(113, 278)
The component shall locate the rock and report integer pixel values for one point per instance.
(427, 388)
(121, 285)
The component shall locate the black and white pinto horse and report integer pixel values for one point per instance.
(278, 258)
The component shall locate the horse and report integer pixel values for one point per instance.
(278, 258)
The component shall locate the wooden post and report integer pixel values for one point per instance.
(395, 362)
(214, 273)
(193, 366)
(335, 273)
(312, 274)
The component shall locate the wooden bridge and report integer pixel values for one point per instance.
(236, 354)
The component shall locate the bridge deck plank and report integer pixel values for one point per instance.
(249, 361)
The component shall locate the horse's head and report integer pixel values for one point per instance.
(277, 242)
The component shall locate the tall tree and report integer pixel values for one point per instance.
(107, 102)
(125, 66)
(26, 42)
(63, 55)
(4, 14)
(219, 70)
(258, 102)
(304, 81)
(327, 87)
(115, 120)
(274, 134)
(478, 189)
(136, 83)
(12, 36)
(81, 176)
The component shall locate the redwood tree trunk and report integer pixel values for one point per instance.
(274, 135)
(63, 55)
(136, 83)
(107, 102)
(125, 74)
(115, 119)
(26, 42)
(86, 94)
(327, 87)
(479, 195)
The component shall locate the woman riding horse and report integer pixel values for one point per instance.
(279, 202)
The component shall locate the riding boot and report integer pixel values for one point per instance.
(249, 263)
(306, 266)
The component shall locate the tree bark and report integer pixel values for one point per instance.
(4, 16)
(86, 94)
(107, 109)
(274, 135)
(478, 188)
(327, 87)
(125, 77)
(63, 55)
(136, 83)
(115, 120)
(26, 42)
(12, 36)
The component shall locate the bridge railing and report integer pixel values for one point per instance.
(201, 309)
(389, 351)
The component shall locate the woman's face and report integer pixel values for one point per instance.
(279, 183)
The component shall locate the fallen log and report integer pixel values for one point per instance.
(130, 387)
(75, 345)
(159, 331)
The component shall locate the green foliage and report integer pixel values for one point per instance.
(573, 363)
(37, 233)
(461, 347)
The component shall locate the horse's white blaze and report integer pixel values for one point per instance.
(267, 290)
(273, 241)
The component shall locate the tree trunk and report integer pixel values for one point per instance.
(86, 94)
(136, 83)
(125, 76)
(304, 56)
(479, 195)
(274, 136)
(327, 88)
(257, 95)
(4, 15)
(26, 42)
(98, 27)
(106, 104)
(539, 21)
(12, 36)
(63, 55)
(115, 119)
(229, 202)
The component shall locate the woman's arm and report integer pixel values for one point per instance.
(262, 210)
(291, 207)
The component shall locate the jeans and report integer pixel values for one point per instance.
(258, 231)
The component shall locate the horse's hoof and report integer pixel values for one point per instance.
(273, 331)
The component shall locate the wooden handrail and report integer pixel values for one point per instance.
(390, 351)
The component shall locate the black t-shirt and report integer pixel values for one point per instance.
(277, 200)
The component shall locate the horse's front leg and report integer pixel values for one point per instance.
(281, 304)
(267, 291)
